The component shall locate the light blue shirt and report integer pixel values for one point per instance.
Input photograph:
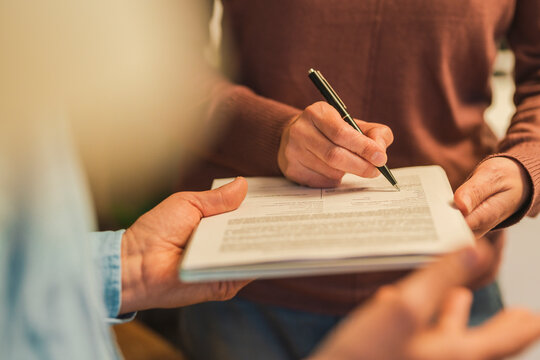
(58, 286)
(106, 252)
(106, 255)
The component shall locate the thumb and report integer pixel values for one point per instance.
(474, 191)
(225, 198)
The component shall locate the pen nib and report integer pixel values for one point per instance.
(397, 187)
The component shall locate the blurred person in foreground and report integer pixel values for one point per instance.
(60, 285)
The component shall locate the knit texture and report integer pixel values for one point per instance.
(422, 67)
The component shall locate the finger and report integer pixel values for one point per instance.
(343, 160)
(329, 123)
(456, 308)
(226, 290)
(308, 177)
(225, 198)
(298, 151)
(380, 133)
(506, 334)
(188, 294)
(311, 161)
(479, 187)
(483, 200)
(334, 156)
(488, 214)
(437, 279)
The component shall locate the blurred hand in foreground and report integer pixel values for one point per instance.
(424, 317)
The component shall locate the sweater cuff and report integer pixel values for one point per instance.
(528, 156)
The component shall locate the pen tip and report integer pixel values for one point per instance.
(311, 71)
(397, 187)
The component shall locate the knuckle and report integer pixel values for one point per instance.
(289, 170)
(224, 291)
(493, 166)
(226, 201)
(341, 134)
(364, 148)
(460, 191)
(315, 110)
(295, 131)
(388, 134)
(492, 172)
(476, 193)
(189, 204)
(289, 153)
(336, 174)
(334, 156)
(320, 106)
(180, 195)
(496, 177)
(185, 197)
(370, 148)
(292, 130)
(292, 171)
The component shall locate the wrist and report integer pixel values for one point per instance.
(284, 142)
(133, 289)
(525, 181)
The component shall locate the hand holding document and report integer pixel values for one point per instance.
(282, 229)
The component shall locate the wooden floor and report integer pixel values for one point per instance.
(138, 342)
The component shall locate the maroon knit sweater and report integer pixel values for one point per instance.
(422, 67)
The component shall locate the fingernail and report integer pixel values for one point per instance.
(378, 159)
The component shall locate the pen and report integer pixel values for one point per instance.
(333, 99)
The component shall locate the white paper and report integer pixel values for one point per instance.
(280, 223)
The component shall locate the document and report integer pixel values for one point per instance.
(283, 229)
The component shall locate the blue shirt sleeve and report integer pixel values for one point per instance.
(106, 251)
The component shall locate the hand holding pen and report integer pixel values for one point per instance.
(318, 147)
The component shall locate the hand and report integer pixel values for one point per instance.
(424, 317)
(154, 245)
(497, 189)
(318, 147)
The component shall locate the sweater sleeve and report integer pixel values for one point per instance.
(247, 128)
(522, 141)
(241, 130)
